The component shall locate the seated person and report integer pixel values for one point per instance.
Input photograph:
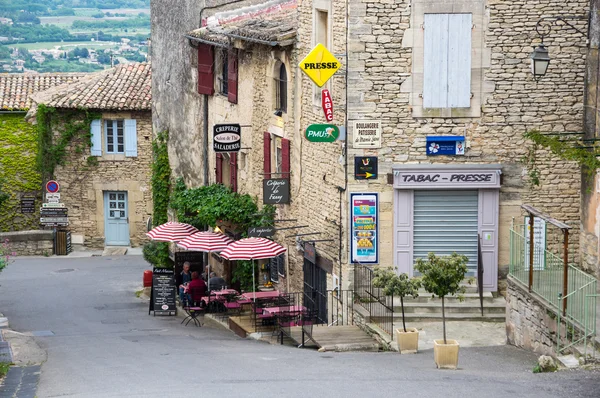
(216, 282)
(186, 277)
(196, 288)
(204, 275)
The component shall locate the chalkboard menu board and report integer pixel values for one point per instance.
(162, 298)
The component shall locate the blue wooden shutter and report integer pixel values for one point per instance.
(435, 67)
(130, 138)
(459, 60)
(96, 138)
(447, 61)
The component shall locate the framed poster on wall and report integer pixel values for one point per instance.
(364, 228)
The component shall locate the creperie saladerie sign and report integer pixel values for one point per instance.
(319, 65)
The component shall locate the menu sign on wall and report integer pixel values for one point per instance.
(364, 228)
(539, 243)
(162, 298)
(276, 191)
(227, 138)
(27, 204)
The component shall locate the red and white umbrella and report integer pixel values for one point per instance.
(205, 241)
(171, 232)
(252, 249)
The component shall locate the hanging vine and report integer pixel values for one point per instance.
(73, 134)
(585, 157)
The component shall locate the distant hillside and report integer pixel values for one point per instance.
(9, 8)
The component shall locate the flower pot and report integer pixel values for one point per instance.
(408, 342)
(445, 355)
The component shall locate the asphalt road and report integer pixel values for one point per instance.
(102, 343)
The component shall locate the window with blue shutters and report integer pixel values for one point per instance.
(447, 61)
(120, 137)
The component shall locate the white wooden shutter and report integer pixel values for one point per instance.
(96, 138)
(447, 61)
(459, 60)
(130, 138)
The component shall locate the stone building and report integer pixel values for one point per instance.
(448, 84)
(104, 176)
(438, 93)
(19, 145)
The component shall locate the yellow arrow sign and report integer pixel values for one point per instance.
(319, 65)
(368, 175)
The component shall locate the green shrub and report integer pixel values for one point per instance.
(157, 254)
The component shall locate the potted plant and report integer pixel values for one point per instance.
(442, 276)
(400, 285)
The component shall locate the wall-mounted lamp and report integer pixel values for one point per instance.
(278, 113)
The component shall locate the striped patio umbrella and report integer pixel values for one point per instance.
(252, 249)
(205, 241)
(171, 232)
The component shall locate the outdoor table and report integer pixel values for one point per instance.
(252, 295)
(286, 308)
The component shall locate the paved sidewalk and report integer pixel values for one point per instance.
(21, 382)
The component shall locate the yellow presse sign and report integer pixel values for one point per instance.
(319, 65)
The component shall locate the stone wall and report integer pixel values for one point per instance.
(83, 185)
(177, 106)
(530, 323)
(29, 243)
(383, 77)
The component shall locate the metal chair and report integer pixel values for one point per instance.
(193, 307)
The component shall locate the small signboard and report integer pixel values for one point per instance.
(227, 138)
(162, 296)
(539, 243)
(365, 167)
(52, 186)
(52, 205)
(27, 204)
(322, 133)
(446, 145)
(367, 134)
(310, 253)
(319, 65)
(276, 191)
(54, 212)
(52, 196)
(261, 232)
(327, 105)
(54, 220)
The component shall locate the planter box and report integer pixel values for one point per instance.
(408, 342)
(445, 355)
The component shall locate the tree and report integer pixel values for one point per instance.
(396, 285)
(442, 276)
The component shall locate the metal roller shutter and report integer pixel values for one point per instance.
(446, 222)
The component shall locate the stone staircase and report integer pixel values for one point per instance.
(426, 308)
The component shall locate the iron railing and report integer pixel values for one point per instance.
(379, 306)
(573, 309)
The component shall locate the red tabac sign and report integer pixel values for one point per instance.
(327, 105)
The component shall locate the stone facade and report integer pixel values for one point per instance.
(29, 243)
(384, 40)
(530, 323)
(83, 185)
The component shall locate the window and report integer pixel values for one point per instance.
(278, 150)
(322, 30)
(119, 137)
(115, 136)
(447, 61)
(224, 73)
(281, 89)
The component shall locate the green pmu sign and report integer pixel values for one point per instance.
(322, 133)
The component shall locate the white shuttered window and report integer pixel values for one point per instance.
(447, 63)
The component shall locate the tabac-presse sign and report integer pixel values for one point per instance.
(327, 105)
(227, 137)
(364, 247)
(319, 65)
(322, 133)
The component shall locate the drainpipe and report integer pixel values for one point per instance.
(205, 136)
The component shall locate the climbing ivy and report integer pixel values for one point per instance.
(586, 158)
(157, 253)
(161, 178)
(72, 133)
(211, 204)
(18, 174)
